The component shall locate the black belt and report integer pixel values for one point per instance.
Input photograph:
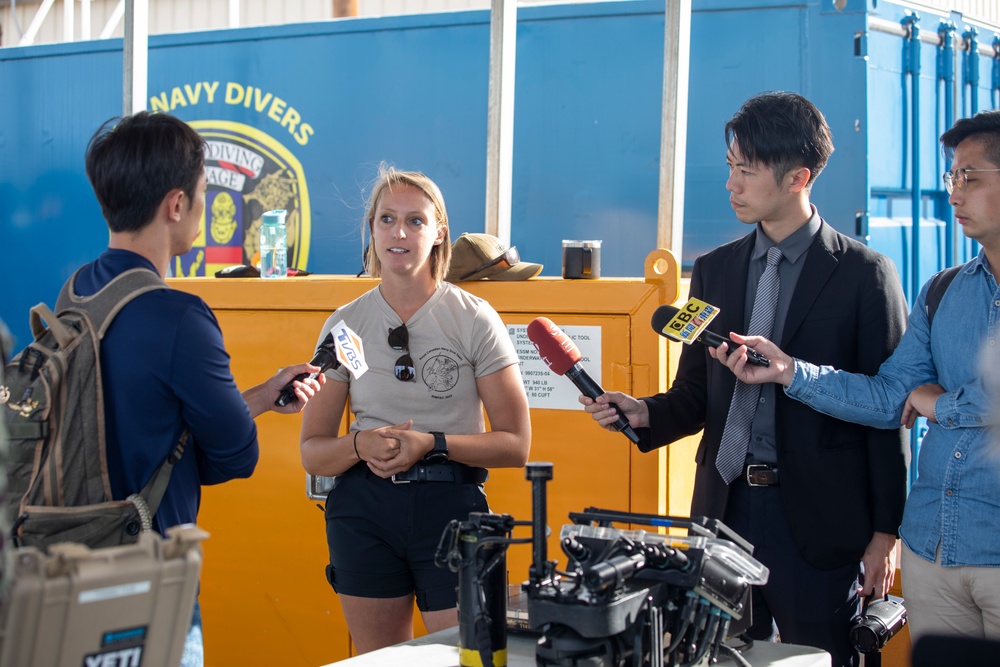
(456, 473)
(761, 474)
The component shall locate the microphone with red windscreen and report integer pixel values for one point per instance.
(562, 356)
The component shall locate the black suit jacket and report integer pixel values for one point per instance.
(839, 481)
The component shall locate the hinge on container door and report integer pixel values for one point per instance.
(621, 378)
(861, 44)
(861, 224)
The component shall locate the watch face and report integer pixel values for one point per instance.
(436, 457)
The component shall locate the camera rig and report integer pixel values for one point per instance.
(627, 598)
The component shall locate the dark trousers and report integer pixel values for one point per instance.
(809, 606)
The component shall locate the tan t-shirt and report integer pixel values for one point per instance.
(454, 338)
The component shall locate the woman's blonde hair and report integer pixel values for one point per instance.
(389, 176)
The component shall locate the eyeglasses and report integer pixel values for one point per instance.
(959, 178)
(399, 339)
(510, 257)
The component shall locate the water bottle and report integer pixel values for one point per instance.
(273, 245)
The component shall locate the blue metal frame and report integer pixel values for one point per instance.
(912, 69)
(995, 89)
(946, 90)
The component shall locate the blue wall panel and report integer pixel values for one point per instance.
(413, 91)
(732, 59)
(889, 124)
(738, 51)
(408, 90)
(390, 90)
(586, 149)
(47, 209)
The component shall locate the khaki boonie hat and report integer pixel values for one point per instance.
(478, 256)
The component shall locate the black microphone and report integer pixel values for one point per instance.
(562, 356)
(664, 314)
(325, 358)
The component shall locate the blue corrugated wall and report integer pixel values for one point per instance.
(413, 91)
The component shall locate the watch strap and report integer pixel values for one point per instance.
(439, 453)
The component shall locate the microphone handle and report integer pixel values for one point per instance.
(754, 358)
(591, 389)
(287, 394)
(325, 358)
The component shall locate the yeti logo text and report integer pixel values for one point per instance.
(125, 657)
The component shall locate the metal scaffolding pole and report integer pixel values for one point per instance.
(673, 129)
(135, 54)
(500, 121)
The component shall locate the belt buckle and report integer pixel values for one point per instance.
(751, 469)
(418, 472)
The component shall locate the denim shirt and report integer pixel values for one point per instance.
(955, 500)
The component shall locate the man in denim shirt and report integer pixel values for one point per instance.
(951, 555)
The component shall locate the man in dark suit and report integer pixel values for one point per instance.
(816, 496)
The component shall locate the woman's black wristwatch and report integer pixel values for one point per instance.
(439, 454)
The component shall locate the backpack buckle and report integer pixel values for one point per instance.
(31, 357)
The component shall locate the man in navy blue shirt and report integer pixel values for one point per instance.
(951, 546)
(163, 362)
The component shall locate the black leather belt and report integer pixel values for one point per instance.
(456, 473)
(761, 474)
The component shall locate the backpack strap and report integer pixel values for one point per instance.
(105, 304)
(153, 492)
(935, 291)
(41, 317)
(102, 308)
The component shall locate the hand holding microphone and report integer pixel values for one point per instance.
(563, 357)
(689, 325)
(766, 363)
(780, 369)
(325, 358)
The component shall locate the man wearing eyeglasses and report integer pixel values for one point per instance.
(941, 371)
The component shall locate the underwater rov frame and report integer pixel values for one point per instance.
(628, 598)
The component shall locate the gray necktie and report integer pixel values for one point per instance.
(736, 434)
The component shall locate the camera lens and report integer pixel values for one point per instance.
(880, 622)
(866, 638)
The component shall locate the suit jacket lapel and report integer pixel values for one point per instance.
(736, 286)
(821, 261)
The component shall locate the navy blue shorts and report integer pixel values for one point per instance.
(382, 536)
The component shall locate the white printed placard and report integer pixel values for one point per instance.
(545, 389)
(113, 592)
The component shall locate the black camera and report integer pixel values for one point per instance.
(879, 623)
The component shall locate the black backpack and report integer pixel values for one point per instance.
(935, 291)
(52, 402)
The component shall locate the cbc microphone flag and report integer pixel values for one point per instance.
(690, 321)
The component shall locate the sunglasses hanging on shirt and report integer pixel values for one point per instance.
(399, 339)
